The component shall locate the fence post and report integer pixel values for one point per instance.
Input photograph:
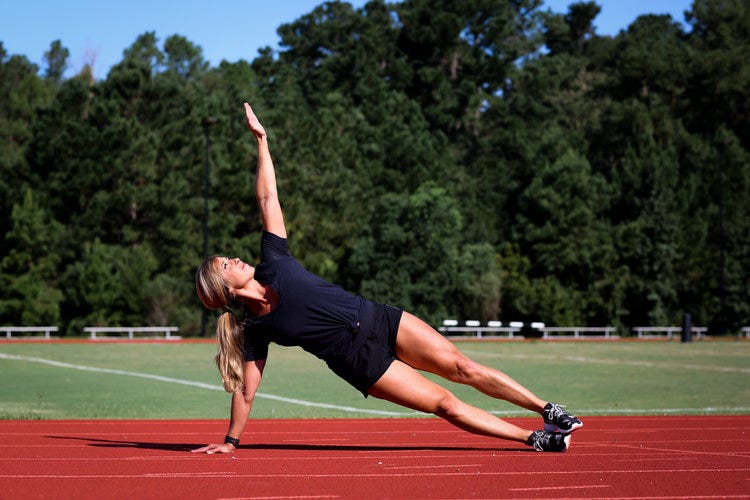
(687, 333)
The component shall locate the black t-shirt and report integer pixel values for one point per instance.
(312, 313)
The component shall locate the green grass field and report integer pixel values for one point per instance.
(56, 380)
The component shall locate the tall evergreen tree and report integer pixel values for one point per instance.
(57, 61)
(29, 272)
(22, 93)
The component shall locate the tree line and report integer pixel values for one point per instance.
(480, 159)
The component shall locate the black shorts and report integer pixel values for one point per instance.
(372, 349)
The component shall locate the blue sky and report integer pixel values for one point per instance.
(99, 30)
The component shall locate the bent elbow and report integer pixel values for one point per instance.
(248, 396)
(267, 201)
(266, 196)
(248, 399)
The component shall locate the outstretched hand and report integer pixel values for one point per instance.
(215, 448)
(253, 123)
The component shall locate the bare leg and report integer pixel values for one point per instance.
(403, 385)
(421, 347)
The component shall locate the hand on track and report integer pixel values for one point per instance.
(215, 448)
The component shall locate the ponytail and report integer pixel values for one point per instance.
(231, 356)
(214, 294)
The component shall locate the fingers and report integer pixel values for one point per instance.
(252, 122)
(213, 448)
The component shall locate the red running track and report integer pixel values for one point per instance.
(622, 457)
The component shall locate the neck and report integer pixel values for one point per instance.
(260, 299)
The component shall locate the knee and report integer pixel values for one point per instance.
(448, 407)
(466, 370)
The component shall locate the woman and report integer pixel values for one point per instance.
(376, 348)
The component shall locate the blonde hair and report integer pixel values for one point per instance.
(230, 338)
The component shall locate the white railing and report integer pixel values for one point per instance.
(578, 332)
(491, 330)
(652, 332)
(95, 331)
(47, 330)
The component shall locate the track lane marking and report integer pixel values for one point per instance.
(356, 474)
(350, 409)
(600, 361)
(202, 385)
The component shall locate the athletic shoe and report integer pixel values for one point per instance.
(549, 441)
(558, 420)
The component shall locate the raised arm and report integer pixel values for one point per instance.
(265, 179)
(242, 403)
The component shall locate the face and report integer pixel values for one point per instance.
(236, 274)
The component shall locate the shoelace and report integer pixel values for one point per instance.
(556, 411)
(539, 440)
(542, 441)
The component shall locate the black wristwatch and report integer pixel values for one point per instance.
(230, 440)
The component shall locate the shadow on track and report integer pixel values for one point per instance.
(183, 447)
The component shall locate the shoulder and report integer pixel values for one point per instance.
(273, 246)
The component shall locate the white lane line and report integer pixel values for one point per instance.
(548, 488)
(611, 362)
(582, 412)
(285, 497)
(457, 467)
(642, 448)
(545, 473)
(201, 385)
(350, 409)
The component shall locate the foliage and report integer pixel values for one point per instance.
(30, 269)
(474, 160)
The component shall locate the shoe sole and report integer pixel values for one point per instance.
(554, 428)
(566, 440)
